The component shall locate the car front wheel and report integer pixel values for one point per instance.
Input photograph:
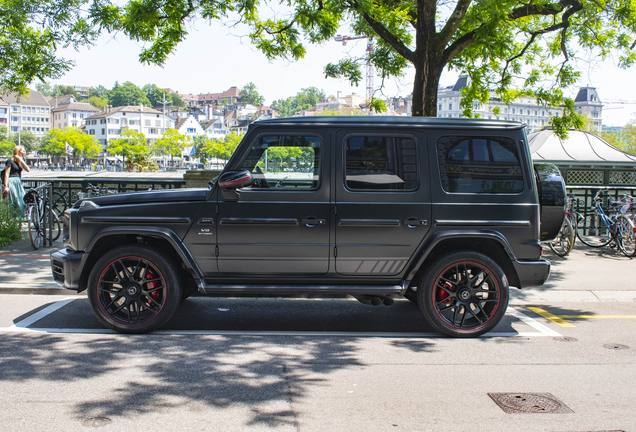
(134, 289)
(463, 294)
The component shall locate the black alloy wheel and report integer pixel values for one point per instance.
(134, 289)
(463, 294)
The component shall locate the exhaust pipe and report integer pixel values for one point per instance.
(374, 300)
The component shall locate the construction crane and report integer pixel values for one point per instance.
(370, 69)
(617, 102)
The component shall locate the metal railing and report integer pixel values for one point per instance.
(70, 188)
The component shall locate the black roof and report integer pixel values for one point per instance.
(371, 121)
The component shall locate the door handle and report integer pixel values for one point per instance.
(311, 221)
(414, 222)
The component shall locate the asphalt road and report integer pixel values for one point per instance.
(314, 365)
(564, 357)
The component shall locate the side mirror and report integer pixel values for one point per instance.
(233, 180)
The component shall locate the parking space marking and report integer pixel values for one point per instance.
(561, 319)
(554, 318)
(23, 326)
(543, 330)
(25, 323)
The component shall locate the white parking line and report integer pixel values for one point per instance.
(23, 326)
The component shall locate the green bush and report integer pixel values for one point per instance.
(10, 223)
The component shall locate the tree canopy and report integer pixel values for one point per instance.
(133, 146)
(249, 94)
(54, 142)
(625, 139)
(510, 46)
(127, 94)
(305, 99)
(30, 34)
(171, 143)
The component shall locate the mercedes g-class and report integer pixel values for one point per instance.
(444, 212)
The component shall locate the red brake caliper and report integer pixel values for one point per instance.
(441, 294)
(150, 285)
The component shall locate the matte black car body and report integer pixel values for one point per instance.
(330, 227)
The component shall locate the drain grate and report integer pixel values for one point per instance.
(529, 403)
(565, 339)
(614, 346)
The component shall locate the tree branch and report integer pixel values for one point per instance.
(389, 37)
(453, 23)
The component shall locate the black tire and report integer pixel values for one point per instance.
(134, 289)
(463, 294)
(36, 234)
(564, 242)
(592, 231)
(56, 224)
(627, 241)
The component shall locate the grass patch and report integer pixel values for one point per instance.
(10, 224)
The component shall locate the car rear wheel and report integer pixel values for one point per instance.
(463, 294)
(134, 289)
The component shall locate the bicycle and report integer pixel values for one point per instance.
(37, 217)
(564, 242)
(93, 191)
(597, 229)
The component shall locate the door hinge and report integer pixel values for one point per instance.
(216, 251)
(217, 209)
(335, 210)
(335, 251)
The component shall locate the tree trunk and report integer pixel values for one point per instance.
(425, 86)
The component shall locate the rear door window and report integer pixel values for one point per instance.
(479, 165)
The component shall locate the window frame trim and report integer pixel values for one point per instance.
(383, 191)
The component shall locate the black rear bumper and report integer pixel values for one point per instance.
(532, 273)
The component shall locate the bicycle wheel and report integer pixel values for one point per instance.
(593, 231)
(564, 242)
(56, 225)
(627, 238)
(36, 232)
(59, 203)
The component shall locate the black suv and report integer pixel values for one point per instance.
(444, 212)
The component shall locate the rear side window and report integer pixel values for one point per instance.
(380, 163)
(479, 165)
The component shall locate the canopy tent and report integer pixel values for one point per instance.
(584, 158)
(580, 148)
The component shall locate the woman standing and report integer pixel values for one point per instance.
(12, 176)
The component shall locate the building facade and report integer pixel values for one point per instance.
(109, 124)
(523, 110)
(32, 113)
(72, 114)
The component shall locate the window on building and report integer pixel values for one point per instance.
(440, 107)
(147, 122)
(450, 106)
(479, 165)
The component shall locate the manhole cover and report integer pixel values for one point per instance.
(616, 346)
(529, 403)
(96, 422)
(565, 339)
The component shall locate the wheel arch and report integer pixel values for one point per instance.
(164, 240)
(489, 243)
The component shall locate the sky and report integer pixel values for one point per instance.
(216, 57)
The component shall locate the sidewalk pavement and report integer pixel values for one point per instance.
(587, 274)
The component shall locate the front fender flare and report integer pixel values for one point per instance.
(148, 231)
